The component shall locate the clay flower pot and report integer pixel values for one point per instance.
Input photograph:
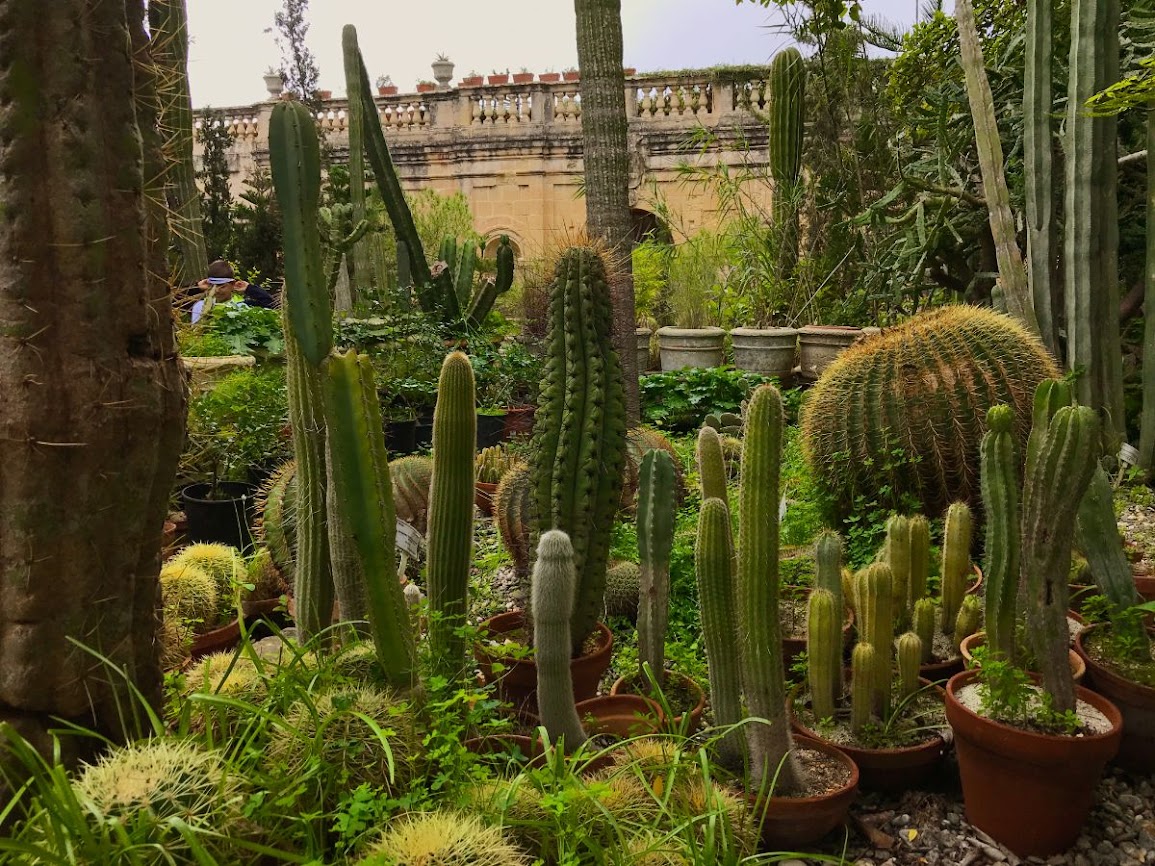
(483, 497)
(619, 716)
(523, 78)
(1135, 701)
(517, 680)
(221, 639)
(473, 81)
(530, 749)
(628, 686)
(792, 823)
(548, 77)
(1031, 792)
(519, 419)
(972, 642)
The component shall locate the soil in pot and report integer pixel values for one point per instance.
(978, 639)
(680, 693)
(223, 515)
(793, 823)
(1130, 685)
(1030, 791)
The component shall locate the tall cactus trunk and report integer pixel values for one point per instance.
(1147, 421)
(168, 21)
(359, 254)
(1090, 224)
(1012, 271)
(1038, 159)
(656, 499)
(786, 124)
(349, 581)
(1001, 506)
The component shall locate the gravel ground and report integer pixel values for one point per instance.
(1137, 523)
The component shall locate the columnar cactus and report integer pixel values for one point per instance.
(655, 541)
(711, 465)
(786, 127)
(967, 621)
(910, 655)
(760, 635)
(923, 625)
(492, 463)
(824, 649)
(489, 290)
(276, 524)
(875, 593)
(554, 587)
(580, 427)
(898, 557)
(450, 537)
(919, 560)
(714, 566)
(1001, 509)
(513, 510)
(828, 577)
(360, 466)
(956, 561)
(863, 672)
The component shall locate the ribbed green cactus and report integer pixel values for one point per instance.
(623, 589)
(554, 588)
(760, 643)
(356, 119)
(1053, 486)
(874, 589)
(956, 561)
(294, 156)
(655, 541)
(1001, 510)
(714, 566)
(967, 621)
(828, 577)
(863, 673)
(411, 479)
(639, 442)
(1038, 158)
(919, 560)
(276, 523)
(451, 496)
(849, 598)
(513, 510)
(923, 625)
(711, 465)
(898, 557)
(787, 112)
(360, 466)
(824, 649)
(492, 463)
(1097, 536)
(922, 387)
(580, 426)
(910, 656)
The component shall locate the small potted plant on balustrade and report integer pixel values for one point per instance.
(385, 86)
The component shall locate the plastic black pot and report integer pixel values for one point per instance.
(400, 436)
(423, 433)
(490, 430)
(224, 520)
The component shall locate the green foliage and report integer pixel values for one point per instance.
(1006, 694)
(216, 141)
(256, 243)
(681, 399)
(234, 329)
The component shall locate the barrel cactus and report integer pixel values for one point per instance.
(411, 478)
(623, 587)
(443, 839)
(922, 389)
(276, 523)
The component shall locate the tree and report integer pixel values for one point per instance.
(216, 198)
(92, 413)
(298, 65)
(607, 167)
(256, 239)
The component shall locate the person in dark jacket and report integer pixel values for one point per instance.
(221, 285)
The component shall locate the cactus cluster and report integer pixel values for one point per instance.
(655, 541)
(492, 463)
(454, 275)
(922, 387)
(725, 423)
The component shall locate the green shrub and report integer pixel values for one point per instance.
(680, 399)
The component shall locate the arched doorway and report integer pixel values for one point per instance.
(646, 225)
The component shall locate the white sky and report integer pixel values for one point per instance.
(230, 47)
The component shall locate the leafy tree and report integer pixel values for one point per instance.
(298, 65)
(256, 245)
(216, 197)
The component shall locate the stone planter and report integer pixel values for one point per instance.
(643, 348)
(769, 351)
(443, 73)
(275, 85)
(691, 347)
(206, 372)
(819, 345)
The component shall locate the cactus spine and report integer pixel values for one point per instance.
(296, 169)
(923, 625)
(554, 587)
(714, 566)
(875, 593)
(823, 646)
(655, 541)
(956, 561)
(910, 655)
(451, 512)
(786, 128)
(898, 557)
(863, 665)
(360, 465)
(760, 635)
(1001, 506)
(967, 622)
(580, 427)
(919, 560)
(711, 465)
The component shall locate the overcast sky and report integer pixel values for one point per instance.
(232, 40)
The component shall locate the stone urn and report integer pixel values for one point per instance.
(274, 84)
(819, 345)
(443, 73)
(643, 348)
(691, 347)
(769, 351)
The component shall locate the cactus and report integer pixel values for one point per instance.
(411, 478)
(263, 574)
(356, 119)
(276, 523)
(711, 465)
(910, 655)
(959, 361)
(451, 513)
(875, 594)
(956, 561)
(850, 599)
(639, 442)
(492, 463)
(655, 541)
(513, 510)
(824, 649)
(787, 110)
(863, 673)
(580, 427)
(919, 560)
(724, 423)
(760, 642)
(491, 289)
(1097, 536)
(1038, 158)
(623, 589)
(1001, 509)
(923, 625)
(360, 477)
(554, 589)
(1054, 483)
(714, 567)
(828, 577)
(442, 839)
(222, 563)
(898, 557)
(188, 595)
(343, 232)
(967, 621)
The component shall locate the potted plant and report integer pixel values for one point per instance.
(491, 463)
(657, 501)
(629, 71)
(793, 602)
(425, 86)
(769, 351)
(570, 74)
(324, 95)
(443, 70)
(385, 86)
(496, 77)
(473, 79)
(274, 83)
(549, 76)
(819, 345)
(1031, 748)
(523, 76)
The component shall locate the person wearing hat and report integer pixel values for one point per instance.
(222, 285)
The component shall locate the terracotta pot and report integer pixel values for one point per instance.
(548, 77)
(261, 607)
(629, 70)
(620, 715)
(940, 672)
(221, 639)
(1031, 792)
(1144, 583)
(519, 419)
(517, 681)
(473, 81)
(530, 749)
(1137, 704)
(571, 76)
(522, 77)
(426, 88)
(885, 769)
(324, 94)
(971, 642)
(974, 587)
(498, 79)
(628, 686)
(483, 497)
(793, 823)
(387, 90)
